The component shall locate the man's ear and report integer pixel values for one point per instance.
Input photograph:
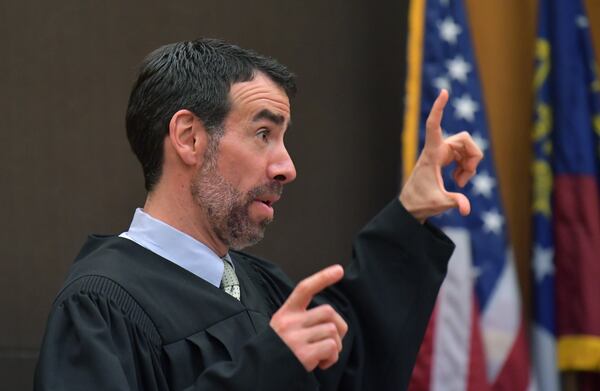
(188, 137)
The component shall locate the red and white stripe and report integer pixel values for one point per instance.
(466, 350)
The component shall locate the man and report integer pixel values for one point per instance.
(172, 305)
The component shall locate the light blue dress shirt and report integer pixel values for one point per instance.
(176, 246)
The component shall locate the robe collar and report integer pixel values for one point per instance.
(176, 246)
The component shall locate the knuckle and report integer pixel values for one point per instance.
(275, 322)
(305, 358)
(275, 316)
(302, 353)
(335, 355)
(328, 310)
(289, 322)
(332, 346)
(326, 364)
(293, 341)
(331, 328)
(344, 328)
(284, 323)
(306, 352)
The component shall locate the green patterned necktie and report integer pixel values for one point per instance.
(230, 283)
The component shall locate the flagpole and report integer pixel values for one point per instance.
(413, 86)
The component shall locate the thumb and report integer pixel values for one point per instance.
(461, 202)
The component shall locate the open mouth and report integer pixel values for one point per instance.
(266, 202)
(269, 201)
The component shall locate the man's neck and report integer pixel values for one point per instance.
(180, 212)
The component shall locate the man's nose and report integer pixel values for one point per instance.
(282, 169)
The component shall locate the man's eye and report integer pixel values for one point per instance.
(263, 134)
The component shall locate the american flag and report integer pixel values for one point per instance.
(566, 202)
(476, 338)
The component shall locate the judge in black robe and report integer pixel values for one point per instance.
(127, 319)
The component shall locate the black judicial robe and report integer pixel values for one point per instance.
(127, 319)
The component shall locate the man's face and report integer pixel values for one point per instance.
(244, 170)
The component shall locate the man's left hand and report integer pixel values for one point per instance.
(423, 194)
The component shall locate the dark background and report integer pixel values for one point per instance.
(66, 170)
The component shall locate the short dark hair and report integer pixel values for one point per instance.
(193, 75)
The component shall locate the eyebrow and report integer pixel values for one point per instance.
(269, 115)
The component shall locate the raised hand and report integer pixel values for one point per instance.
(423, 194)
(315, 335)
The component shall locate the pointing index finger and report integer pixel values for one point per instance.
(310, 286)
(433, 135)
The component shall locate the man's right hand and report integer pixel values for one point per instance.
(315, 335)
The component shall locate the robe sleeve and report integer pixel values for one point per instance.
(98, 338)
(266, 363)
(387, 294)
(386, 297)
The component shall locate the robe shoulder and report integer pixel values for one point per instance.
(167, 293)
(97, 337)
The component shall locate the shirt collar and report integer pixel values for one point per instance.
(176, 246)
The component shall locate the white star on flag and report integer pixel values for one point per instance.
(492, 222)
(458, 68)
(582, 21)
(481, 142)
(543, 262)
(483, 184)
(442, 83)
(449, 30)
(475, 272)
(465, 108)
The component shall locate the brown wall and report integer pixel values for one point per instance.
(65, 72)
